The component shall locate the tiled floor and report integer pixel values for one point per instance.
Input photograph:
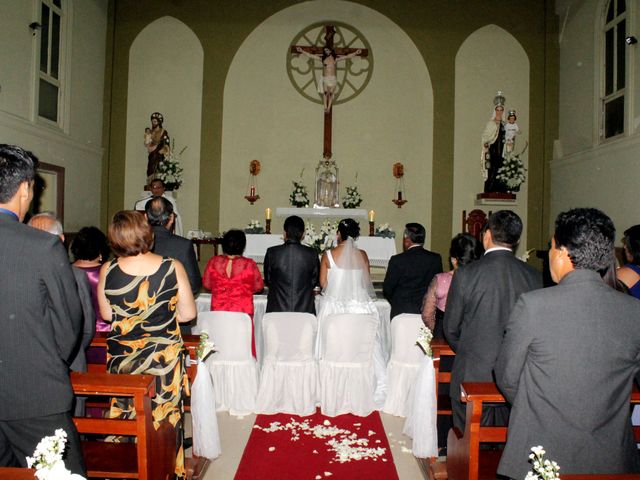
(234, 433)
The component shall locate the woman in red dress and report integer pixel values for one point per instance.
(232, 278)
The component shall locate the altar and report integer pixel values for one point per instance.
(379, 249)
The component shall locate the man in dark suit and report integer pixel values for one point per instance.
(410, 272)
(569, 357)
(48, 222)
(160, 215)
(291, 271)
(480, 300)
(40, 321)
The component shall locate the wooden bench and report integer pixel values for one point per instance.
(12, 473)
(152, 456)
(465, 460)
(195, 466)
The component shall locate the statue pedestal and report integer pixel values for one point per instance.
(495, 198)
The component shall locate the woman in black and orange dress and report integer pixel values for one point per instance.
(145, 296)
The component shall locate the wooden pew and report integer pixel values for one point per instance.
(152, 456)
(441, 348)
(191, 343)
(465, 460)
(195, 466)
(13, 473)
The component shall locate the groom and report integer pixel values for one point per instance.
(291, 271)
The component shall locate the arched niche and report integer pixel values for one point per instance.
(265, 118)
(165, 75)
(490, 59)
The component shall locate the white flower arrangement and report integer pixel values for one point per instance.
(205, 347)
(424, 340)
(512, 173)
(322, 240)
(525, 256)
(352, 199)
(542, 469)
(384, 230)
(299, 197)
(254, 227)
(47, 458)
(169, 170)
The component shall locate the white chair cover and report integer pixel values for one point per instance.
(289, 375)
(232, 367)
(421, 422)
(403, 366)
(206, 437)
(347, 380)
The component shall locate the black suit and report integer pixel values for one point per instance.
(291, 271)
(567, 364)
(173, 246)
(79, 363)
(41, 325)
(479, 303)
(408, 276)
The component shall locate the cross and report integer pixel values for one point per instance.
(318, 50)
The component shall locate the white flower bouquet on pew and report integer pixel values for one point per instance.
(206, 437)
(47, 458)
(542, 469)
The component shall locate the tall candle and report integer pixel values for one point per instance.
(399, 195)
(372, 215)
(267, 214)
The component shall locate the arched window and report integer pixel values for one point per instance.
(614, 69)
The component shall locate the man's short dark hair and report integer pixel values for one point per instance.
(233, 242)
(506, 228)
(588, 235)
(159, 211)
(415, 232)
(294, 227)
(156, 180)
(16, 166)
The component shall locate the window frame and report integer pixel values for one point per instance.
(602, 98)
(61, 83)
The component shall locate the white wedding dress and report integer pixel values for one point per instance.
(349, 290)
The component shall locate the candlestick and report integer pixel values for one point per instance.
(252, 191)
(267, 226)
(372, 228)
(400, 195)
(372, 215)
(267, 214)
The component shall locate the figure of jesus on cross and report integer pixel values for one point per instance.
(330, 56)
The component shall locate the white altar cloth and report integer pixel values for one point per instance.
(379, 249)
(203, 303)
(322, 212)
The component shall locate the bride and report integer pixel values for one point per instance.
(347, 288)
(344, 276)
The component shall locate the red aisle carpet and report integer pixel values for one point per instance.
(274, 455)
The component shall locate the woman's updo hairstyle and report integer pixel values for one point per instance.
(465, 249)
(348, 227)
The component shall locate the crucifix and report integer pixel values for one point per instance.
(330, 56)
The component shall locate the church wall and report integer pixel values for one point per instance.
(587, 172)
(165, 75)
(490, 59)
(266, 118)
(437, 29)
(76, 146)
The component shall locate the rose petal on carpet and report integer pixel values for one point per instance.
(287, 447)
